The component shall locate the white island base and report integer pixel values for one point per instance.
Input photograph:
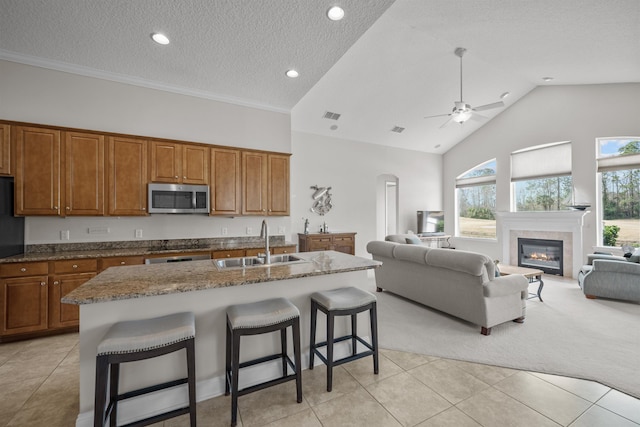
(209, 307)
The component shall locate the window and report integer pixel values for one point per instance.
(476, 199)
(619, 168)
(541, 177)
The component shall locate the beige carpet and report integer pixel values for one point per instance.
(566, 334)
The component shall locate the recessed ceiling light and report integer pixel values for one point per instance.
(160, 38)
(335, 13)
(547, 79)
(292, 73)
(437, 146)
(504, 95)
(333, 127)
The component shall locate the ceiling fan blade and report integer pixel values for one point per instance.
(478, 117)
(489, 106)
(446, 123)
(437, 115)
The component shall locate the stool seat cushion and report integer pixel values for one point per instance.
(147, 334)
(343, 298)
(261, 313)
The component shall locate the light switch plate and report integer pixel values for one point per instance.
(249, 230)
(281, 229)
(139, 233)
(224, 231)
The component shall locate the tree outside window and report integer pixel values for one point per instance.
(476, 197)
(545, 194)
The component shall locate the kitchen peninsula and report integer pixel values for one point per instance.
(145, 291)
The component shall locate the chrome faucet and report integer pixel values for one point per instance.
(264, 234)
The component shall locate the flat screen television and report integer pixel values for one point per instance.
(430, 222)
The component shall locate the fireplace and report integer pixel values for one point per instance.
(542, 254)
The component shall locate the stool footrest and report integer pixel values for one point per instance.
(158, 418)
(348, 358)
(266, 384)
(151, 389)
(262, 360)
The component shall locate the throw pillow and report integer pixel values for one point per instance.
(635, 256)
(413, 240)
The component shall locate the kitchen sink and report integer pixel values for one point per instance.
(247, 262)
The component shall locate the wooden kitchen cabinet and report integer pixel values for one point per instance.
(226, 182)
(178, 163)
(265, 184)
(274, 251)
(127, 176)
(230, 253)
(278, 185)
(341, 242)
(37, 171)
(83, 174)
(119, 261)
(65, 276)
(5, 149)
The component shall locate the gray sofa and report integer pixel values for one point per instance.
(610, 276)
(459, 283)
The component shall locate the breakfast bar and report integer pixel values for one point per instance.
(206, 289)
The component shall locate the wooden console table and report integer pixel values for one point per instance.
(341, 242)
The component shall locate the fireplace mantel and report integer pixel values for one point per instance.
(569, 222)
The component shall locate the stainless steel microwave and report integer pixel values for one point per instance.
(178, 198)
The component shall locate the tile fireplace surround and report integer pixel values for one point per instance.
(562, 225)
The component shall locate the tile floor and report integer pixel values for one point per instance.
(39, 387)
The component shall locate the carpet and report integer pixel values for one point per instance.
(567, 335)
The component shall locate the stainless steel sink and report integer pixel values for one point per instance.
(248, 262)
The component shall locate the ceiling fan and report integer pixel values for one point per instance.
(462, 111)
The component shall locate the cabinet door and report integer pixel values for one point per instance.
(278, 188)
(344, 243)
(5, 150)
(24, 304)
(166, 162)
(231, 253)
(63, 315)
(283, 250)
(254, 183)
(319, 243)
(127, 172)
(84, 174)
(195, 164)
(120, 261)
(37, 173)
(226, 182)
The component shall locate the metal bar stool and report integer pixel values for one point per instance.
(343, 302)
(259, 318)
(135, 340)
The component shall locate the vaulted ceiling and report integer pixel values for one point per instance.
(386, 64)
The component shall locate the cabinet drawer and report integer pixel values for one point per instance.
(343, 239)
(234, 253)
(21, 269)
(254, 251)
(284, 250)
(75, 266)
(120, 261)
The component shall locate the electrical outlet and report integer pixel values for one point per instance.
(138, 233)
(64, 234)
(249, 230)
(281, 229)
(224, 231)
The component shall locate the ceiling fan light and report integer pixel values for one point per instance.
(461, 116)
(335, 13)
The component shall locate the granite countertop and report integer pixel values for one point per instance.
(139, 281)
(157, 247)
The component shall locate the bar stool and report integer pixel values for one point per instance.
(261, 317)
(343, 302)
(135, 340)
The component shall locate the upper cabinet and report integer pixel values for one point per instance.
(278, 185)
(84, 174)
(265, 184)
(37, 171)
(5, 150)
(127, 176)
(226, 182)
(179, 163)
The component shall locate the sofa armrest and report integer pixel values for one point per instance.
(506, 285)
(615, 266)
(592, 257)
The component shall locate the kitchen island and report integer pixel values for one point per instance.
(145, 291)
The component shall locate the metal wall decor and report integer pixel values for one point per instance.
(321, 200)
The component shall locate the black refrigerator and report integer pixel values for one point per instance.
(11, 227)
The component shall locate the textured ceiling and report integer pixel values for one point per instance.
(386, 64)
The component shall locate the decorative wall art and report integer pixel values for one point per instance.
(321, 200)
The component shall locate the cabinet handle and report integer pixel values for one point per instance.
(175, 177)
(74, 266)
(68, 208)
(122, 262)
(144, 209)
(55, 208)
(56, 282)
(23, 269)
(228, 255)
(184, 177)
(43, 283)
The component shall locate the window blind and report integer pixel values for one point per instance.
(615, 163)
(543, 161)
(475, 181)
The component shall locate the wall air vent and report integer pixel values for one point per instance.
(331, 116)
(397, 129)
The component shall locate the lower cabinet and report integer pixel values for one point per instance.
(64, 315)
(24, 303)
(341, 242)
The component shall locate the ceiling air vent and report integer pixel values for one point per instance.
(331, 116)
(397, 129)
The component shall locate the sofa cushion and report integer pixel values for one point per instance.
(383, 249)
(413, 253)
(467, 262)
(413, 240)
(398, 238)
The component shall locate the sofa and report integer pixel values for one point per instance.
(459, 283)
(610, 276)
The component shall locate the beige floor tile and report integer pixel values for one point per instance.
(448, 380)
(452, 417)
(362, 369)
(598, 417)
(492, 408)
(23, 366)
(9, 349)
(485, 373)
(73, 357)
(306, 418)
(314, 384)
(407, 399)
(622, 404)
(14, 396)
(215, 412)
(268, 405)
(588, 390)
(552, 401)
(354, 410)
(407, 360)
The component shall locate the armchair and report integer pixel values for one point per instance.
(610, 276)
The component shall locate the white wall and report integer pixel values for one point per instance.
(37, 95)
(579, 114)
(351, 168)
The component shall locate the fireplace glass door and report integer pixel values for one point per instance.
(545, 255)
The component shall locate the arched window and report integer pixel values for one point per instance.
(476, 202)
